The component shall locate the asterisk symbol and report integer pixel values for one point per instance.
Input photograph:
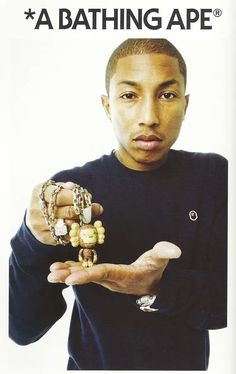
(29, 14)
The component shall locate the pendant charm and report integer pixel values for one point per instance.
(60, 227)
(87, 257)
(87, 236)
(87, 214)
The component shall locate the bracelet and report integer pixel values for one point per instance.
(82, 204)
(49, 211)
(145, 302)
(52, 222)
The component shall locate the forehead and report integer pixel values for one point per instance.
(142, 68)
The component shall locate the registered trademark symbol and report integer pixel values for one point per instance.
(217, 12)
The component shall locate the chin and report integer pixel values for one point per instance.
(150, 158)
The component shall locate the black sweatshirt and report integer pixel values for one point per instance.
(184, 202)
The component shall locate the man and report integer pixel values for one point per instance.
(147, 193)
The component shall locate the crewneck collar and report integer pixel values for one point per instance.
(120, 168)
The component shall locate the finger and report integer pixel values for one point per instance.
(97, 273)
(85, 275)
(97, 209)
(69, 222)
(68, 185)
(61, 270)
(64, 196)
(166, 250)
(66, 212)
(60, 265)
(58, 276)
(159, 255)
(71, 263)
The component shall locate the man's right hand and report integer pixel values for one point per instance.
(63, 209)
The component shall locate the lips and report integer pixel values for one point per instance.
(148, 142)
(147, 138)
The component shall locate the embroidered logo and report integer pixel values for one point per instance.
(193, 215)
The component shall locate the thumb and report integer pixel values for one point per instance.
(162, 252)
(166, 250)
(159, 255)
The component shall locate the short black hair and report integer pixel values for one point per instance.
(140, 47)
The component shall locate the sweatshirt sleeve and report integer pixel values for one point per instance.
(34, 303)
(200, 297)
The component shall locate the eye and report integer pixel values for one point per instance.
(128, 96)
(167, 95)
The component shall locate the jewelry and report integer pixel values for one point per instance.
(60, 227)
(83, 233)
(87, 236)
(82, 204)
(193, 215)
(49, 211)
(87, 214)
(42, 201)
(145, 302)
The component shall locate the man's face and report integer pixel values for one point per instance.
(146, 106)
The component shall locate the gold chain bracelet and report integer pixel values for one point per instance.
(82, 203)
(49, 211)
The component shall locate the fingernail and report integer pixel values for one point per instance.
(69, 185)
(52, 281)
(167, 250)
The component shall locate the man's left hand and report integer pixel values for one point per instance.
(139, 278)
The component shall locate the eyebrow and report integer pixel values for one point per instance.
(170, 82)
(129, 83)
(162, 85)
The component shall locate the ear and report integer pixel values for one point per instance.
(186, 103)
(106, 105)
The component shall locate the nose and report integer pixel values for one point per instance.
(149, 112)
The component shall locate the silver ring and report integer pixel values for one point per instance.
(60, 227)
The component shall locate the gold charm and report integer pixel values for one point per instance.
(87, 236)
